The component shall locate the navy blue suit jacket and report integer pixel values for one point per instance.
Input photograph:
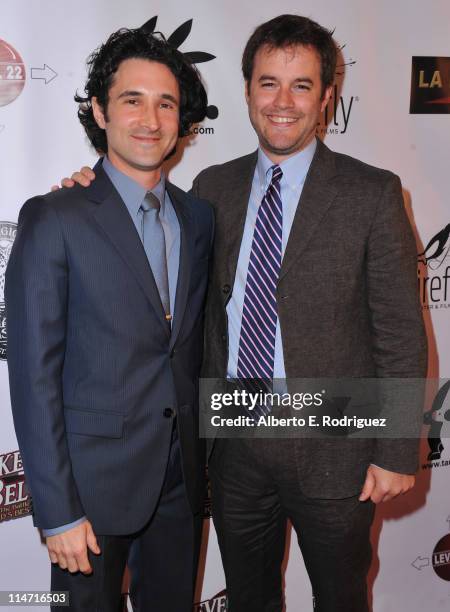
(95, 374)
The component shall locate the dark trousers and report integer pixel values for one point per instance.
(162, 558)
(254, 490)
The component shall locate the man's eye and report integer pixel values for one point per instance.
(131, 101)
(268, 84)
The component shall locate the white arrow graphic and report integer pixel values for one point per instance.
(46, 73)
(420, 562)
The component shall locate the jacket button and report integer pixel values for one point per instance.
(168, 413)
(226, 288)
(172, 353)
(224, 337)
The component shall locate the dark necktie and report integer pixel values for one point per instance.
(155, 247)
(259, 316)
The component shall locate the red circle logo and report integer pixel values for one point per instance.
(12, 73)
(441, 558)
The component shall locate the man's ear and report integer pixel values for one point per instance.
(326, 98)
(99, 115)
(247, 91)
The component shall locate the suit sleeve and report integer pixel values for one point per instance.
(36, 293)
(398, 336)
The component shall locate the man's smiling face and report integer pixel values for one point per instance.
(142, 117)
(285, 99)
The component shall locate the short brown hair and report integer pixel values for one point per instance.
(291, 30)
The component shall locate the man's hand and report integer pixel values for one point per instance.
(383, 485)
(69, 549)
(84, 177)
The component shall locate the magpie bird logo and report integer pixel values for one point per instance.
(437, 248)
(176, 39)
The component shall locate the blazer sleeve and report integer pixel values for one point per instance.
(399, 344)
(36, 292)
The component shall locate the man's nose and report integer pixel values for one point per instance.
(284, 98)
(150, 117)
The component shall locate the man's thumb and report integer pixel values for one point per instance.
(92, 540)
(368, 487)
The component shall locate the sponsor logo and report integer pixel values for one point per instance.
(7, 234)
(176, 39)
(336, 116)
(433, 273)
(430, 85)
(438, 418)
(12, 73)
(219, 603)
(15, 502)
(439, 559)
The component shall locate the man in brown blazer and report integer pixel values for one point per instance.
(347, 307)
(340, 303)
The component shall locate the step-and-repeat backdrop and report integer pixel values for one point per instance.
(390, 107)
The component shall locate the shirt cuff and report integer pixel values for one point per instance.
(57, 530)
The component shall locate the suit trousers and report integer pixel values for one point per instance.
(255, 489)
(162, 558)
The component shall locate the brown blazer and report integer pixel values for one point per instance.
(347, 297)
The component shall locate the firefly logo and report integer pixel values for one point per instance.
(335, 118)
(433, 273)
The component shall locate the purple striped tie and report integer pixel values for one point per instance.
(259, 316)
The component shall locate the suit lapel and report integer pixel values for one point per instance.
(186, 257)
(233, 221)
(112, 216)
(317, 196)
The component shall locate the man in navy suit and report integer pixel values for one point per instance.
(105, 292)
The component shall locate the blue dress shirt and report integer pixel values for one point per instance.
(133, 194)
(294, 170)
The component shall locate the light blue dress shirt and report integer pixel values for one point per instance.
(133, 194)
(294, 169)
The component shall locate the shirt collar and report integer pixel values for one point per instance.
(130, 191)
(294, 168)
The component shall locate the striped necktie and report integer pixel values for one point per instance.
(259, 316)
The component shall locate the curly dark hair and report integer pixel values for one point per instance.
(290, 30)
(130, 44)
